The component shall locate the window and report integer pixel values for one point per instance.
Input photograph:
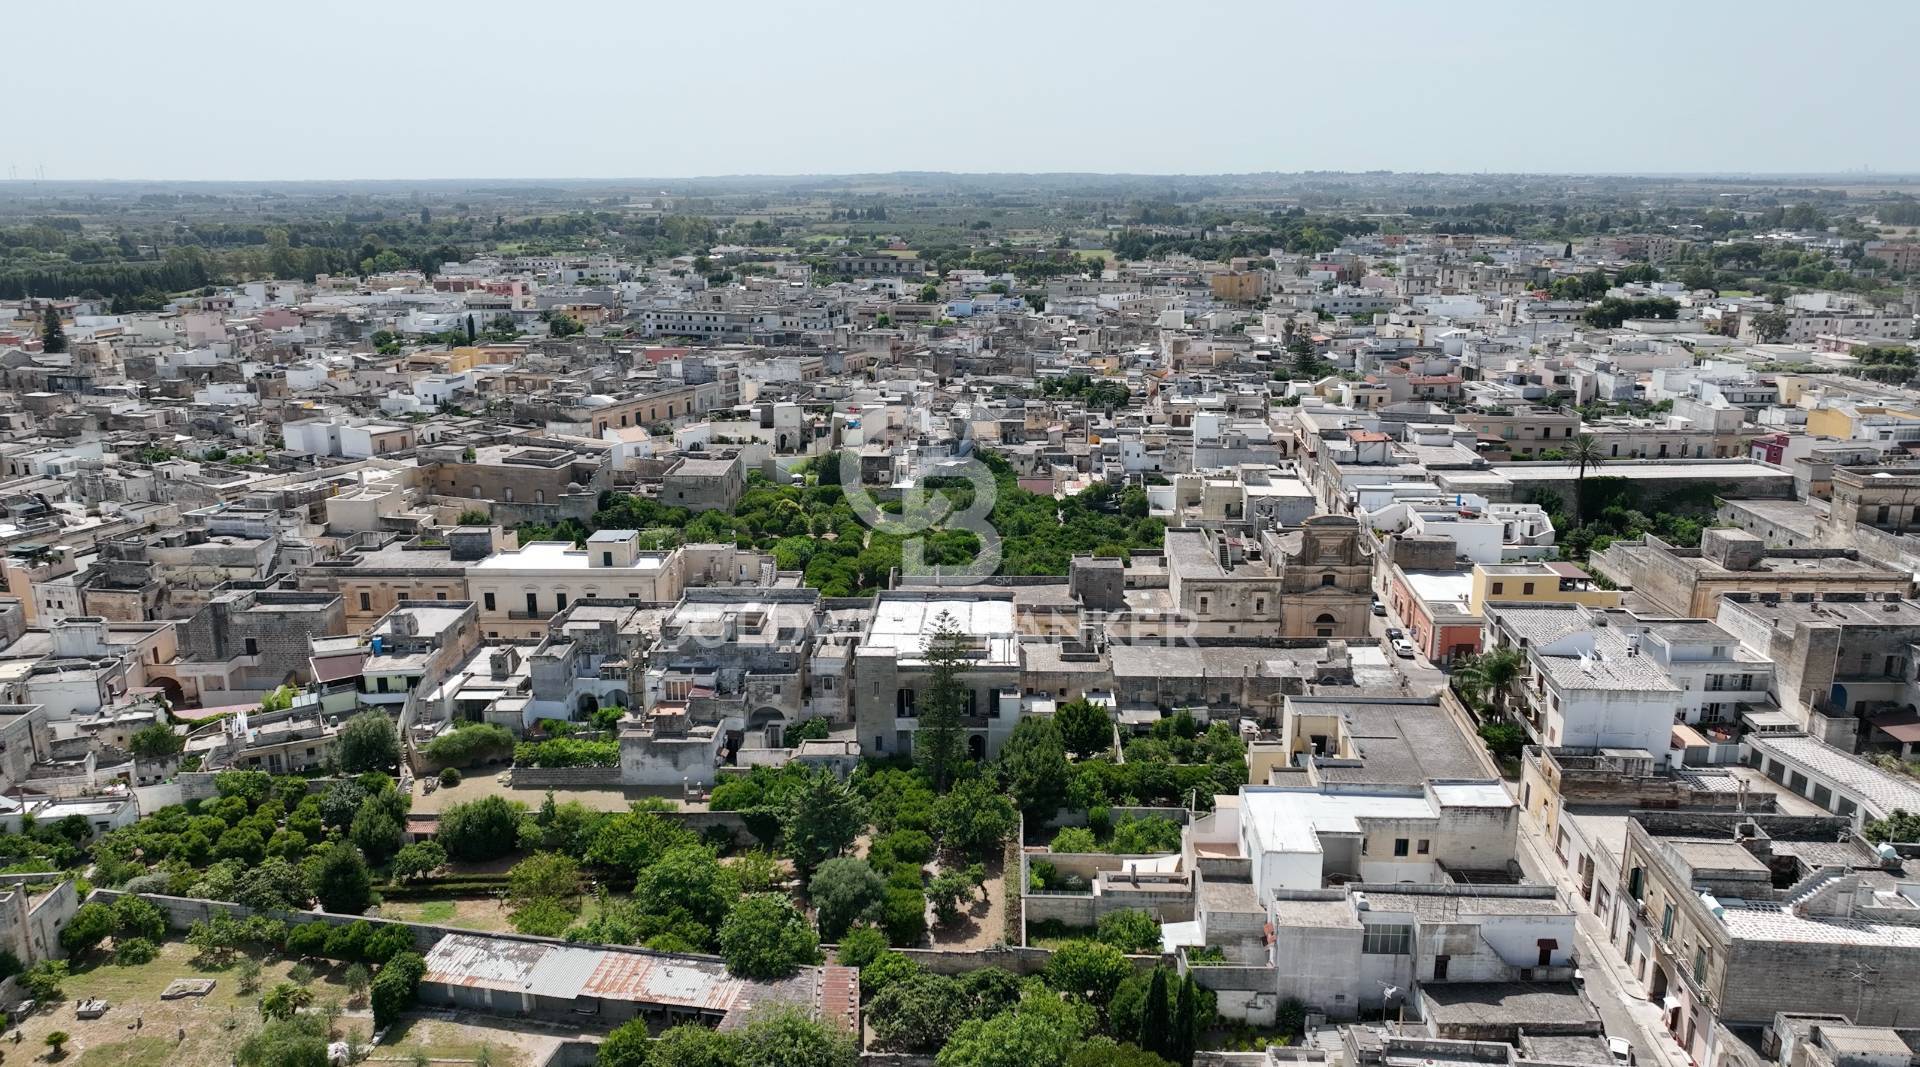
(1329, 580)
(533, 603)
(1424, 847)
(1699, 964)
(559, 601)
(1527, 589)
(903, 703)
(606, 559)
(1260, 608)
(1387, 939)
(439, 594)
(1399, 846)
(366, 601)
(1637, 882)
(1666, 922)
(1440, 967)
(253, 647)
(1499, 587)
(1204, 605)
(488, 597)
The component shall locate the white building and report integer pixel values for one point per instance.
(1588, 683)
(1297, 839)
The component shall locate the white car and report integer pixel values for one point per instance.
(1403, 648)
(1622, 1050)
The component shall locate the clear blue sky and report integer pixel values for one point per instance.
(631, 88)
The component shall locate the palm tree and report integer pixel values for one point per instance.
(1584, 450)
(285, 1000)
(1491, 672)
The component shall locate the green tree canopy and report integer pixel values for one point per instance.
(340, 881)
(765, 936)
(157, 741)
(845, 891)
(368, 743)
(479, 830)
(1033, 764)
(974, 819)
(1085, 727)
(823, 820)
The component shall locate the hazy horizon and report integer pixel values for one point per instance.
(599, 91)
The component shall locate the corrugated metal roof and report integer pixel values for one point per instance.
(664, 980)
(562, 972)
(483, 962)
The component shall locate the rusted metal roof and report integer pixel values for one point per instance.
(566, 972)
(483, 962)
(651, 979)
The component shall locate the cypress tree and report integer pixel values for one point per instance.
(1182, 1041)
(1156, 1020)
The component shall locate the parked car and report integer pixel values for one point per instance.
(1379, 609)
(1622, 1050)
(1395, 633)
(1403, 648)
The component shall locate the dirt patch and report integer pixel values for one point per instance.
(468, 913)
(981, 926)
(443, 1040)
(491, 784)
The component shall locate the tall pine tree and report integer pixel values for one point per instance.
(938, 739)
(53, 336)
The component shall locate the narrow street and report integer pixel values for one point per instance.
(1615, 993)
(1422, 675)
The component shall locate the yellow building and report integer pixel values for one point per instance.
(1238, 287)
(1846, 421)
(453, 361)
(1536, 583)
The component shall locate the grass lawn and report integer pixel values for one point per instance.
(471, 912)
(186, 1032)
